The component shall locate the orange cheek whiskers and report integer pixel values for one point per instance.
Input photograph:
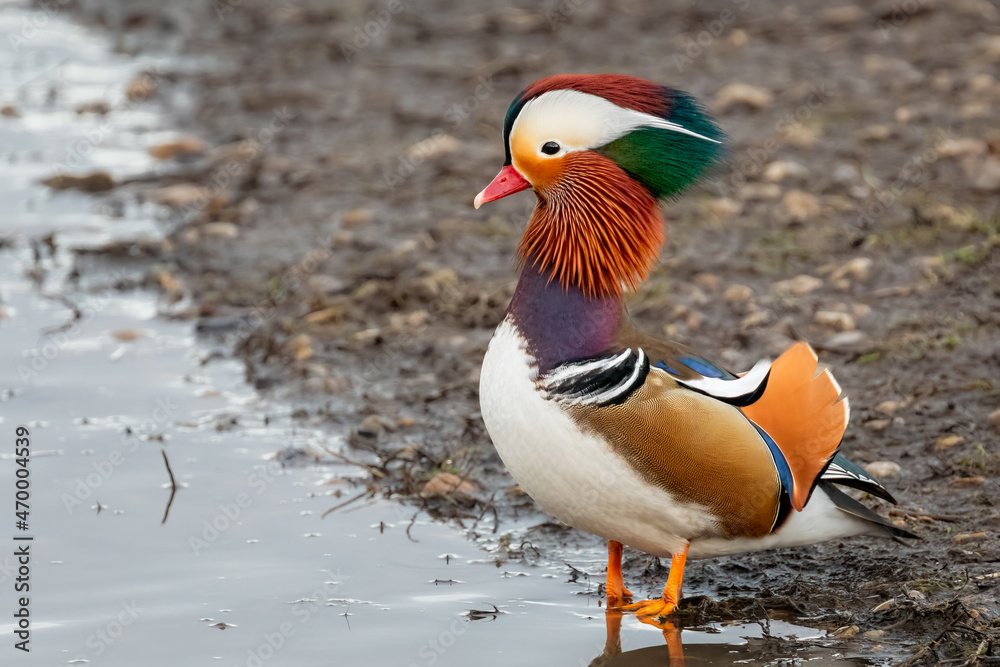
(599, 229)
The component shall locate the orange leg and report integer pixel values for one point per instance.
(651, 611)
(613, 643)
(615, 587)
(675, 648)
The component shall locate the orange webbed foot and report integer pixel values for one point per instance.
(655, 611)
(651, 611)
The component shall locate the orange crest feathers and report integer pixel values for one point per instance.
(801, 412)
(594, 228)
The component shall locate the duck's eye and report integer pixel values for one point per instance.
(550, 148)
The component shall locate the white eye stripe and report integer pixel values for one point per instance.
(583, 121)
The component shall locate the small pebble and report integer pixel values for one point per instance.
(433, 147)
(221, 230)
(882, 468)
(962, 146)
(735, 94)
(801, 135)
(969, 537)
(834, 320)
(800, 206)
(127, 335)
(994, 419)
(988, 178)
(760, 191)
(874, 133)
(184, 147)
(372, 425)
(707, 281)
(847, 632)
(947, 441)
(300, 347)
(170, 284)
(724, 208)
(846, 340)
(98, 181)
(861, 310)
(357, 217)
(179, 194)
(843, 16)
(890, 407)
(99, 108)
(856, 268)
(779, 170)
(326, 284)
(799, 285)
(141, 88)
(737, 293)
(447, 484)
(755, 319)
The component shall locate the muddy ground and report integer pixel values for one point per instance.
(325, 232)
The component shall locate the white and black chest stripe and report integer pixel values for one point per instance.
(611, 379)
(601, 381)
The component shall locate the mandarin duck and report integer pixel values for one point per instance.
(642, 441)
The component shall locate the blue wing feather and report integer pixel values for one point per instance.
(706, 368)
(784, 471)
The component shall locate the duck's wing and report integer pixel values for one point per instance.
(798, 411)
(702, 450)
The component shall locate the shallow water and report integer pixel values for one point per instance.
(244, 570)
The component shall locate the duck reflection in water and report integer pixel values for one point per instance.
(671, 654)
(762, 650)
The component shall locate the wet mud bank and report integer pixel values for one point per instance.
(319, 224)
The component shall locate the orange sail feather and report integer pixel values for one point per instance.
(802, 412)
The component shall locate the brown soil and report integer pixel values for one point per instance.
(335, 246)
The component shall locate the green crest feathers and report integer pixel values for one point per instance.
(666, 162)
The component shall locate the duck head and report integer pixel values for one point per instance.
(599, 151)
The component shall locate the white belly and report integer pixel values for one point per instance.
(574, 476)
